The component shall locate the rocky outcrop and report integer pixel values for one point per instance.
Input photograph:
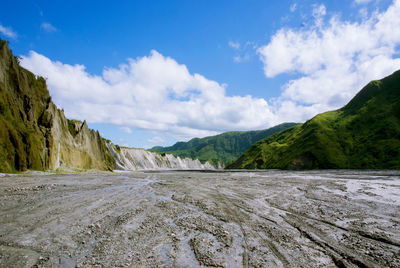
(34, 133)
(140, 159)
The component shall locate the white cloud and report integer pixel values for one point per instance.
(47, 27)
(243, 52)
(151, 93)
(237, 59)
(8, 32)
(126, 130)
(235, 45)
(244, 57)
(334, 58)
(362, 1)
(363, 12)
(318, 12)
(293, 7)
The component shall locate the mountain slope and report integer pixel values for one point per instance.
(34, 133)
(223, 148)
(364, 134)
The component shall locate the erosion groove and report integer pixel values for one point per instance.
(233, 216)
(200, 219)
(358, 232)
(317, 236)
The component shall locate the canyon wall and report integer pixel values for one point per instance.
(140, 159)
(34, 133)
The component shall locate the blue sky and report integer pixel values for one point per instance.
(151, 73)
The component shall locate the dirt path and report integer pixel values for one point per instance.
(196, 219)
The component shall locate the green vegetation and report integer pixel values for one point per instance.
(33, 131)
(22, 100)
(223, 148)
(73, 126)
(364, 134)
(115, 146)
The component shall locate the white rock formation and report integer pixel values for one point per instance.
(140, 159)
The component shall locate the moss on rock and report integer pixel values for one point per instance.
(34, 134)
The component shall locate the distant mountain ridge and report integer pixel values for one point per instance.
(364, 134)
(222, 148)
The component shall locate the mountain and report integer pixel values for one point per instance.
(223, 148)
(364, 134)
(34, 133)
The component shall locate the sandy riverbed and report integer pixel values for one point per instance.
(193, 219)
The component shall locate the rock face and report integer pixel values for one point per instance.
(34, 133)
(140, 159)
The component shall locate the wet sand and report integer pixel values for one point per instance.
(196, 219)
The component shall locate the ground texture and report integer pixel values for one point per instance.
(195, 219)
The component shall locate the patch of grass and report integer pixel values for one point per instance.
(72, 126)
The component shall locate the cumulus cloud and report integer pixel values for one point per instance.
(237, 59)
(362, 1)
(48, 27)
(333, 59)
(8, 32)
(293, 7)
(126, 130)
(319, 11)
(243, 58)
(243, 52)
(152, 93)
(235, 45)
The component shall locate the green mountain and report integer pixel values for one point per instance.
(364, 134)
(223, 148)
(34, 133)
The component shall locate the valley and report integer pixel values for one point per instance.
(200, 134)
(330, 218)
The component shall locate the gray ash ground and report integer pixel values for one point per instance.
(196, 219)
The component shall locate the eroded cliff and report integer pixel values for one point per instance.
(140, 159)
(34, 133)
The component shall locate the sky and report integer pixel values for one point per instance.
(147, 73)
